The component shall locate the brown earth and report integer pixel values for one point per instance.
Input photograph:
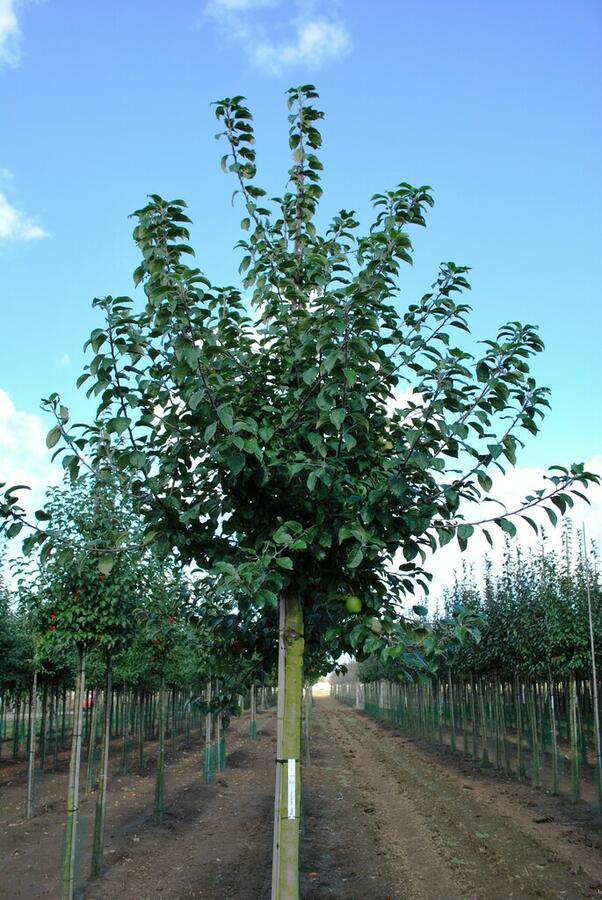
(384, 819)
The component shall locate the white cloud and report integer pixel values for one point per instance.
(15, 225)
(10, 33)
(63, 360)
(217, 7)
(315, 43)
(274, 42)
(24, 458)
(6, 174)
(511, 489)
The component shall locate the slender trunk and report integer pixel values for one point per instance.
(208, 755)
(173, 721)
(92, 735)
(103, 780)
(160, 777)
(125, 730)
(2, 719)
(16, 726)
(140, 730)
(518, 713)
(52, 720)
(452, 714)
(288, 825)
(64, 717)
(483, 718)
(595, 702)
(554, 733)
(43, 722)
(575, 773)
(31, 806)
(68, 872)
(535, 767)
(253, 714)
(221, 743)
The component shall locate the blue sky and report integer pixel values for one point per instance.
(494, 104)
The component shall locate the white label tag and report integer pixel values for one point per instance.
(292, 788)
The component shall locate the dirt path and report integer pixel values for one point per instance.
(201, 851)
(384, 820)
(448, 833)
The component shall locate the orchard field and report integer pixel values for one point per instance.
(251, 508)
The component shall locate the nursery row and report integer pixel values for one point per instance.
(543, 731)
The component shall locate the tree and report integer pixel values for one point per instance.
(275, 445)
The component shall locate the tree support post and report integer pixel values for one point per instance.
(253, 714)
(68, 873)
(103, 780)
(31, 806)
(285, 880)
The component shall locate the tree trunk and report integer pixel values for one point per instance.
(574, 728)
(452, 714)
(160, 777)
(31, 805)
(125, 730)
(64, 717)
(595, 701)
(208, 755)
(286, 858)
(92, 736)
(253, 714)
(43, 728)
(103, 780)
(140, 726)
(68, 873)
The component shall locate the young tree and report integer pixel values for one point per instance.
(277, 446)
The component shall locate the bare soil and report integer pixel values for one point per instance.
(384, 819)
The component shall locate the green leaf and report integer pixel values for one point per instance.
(465, 531)
(285, 562)
(118, 425)
(137, 459)
(350, 376)
(209, 432)
(532, 523)
(485, 481)
(226, 418)
(310, 375)
(355, 557)
(331, 359)
(507, 526)
(53, 436)
(106, 563)
(420, 610)
(337, 417)
(445, 535)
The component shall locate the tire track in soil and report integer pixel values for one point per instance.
(364, 836)
(494, 855)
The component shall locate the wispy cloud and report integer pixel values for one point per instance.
(64, 360)
(15, 225)
(10, 33)
(274, 38)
